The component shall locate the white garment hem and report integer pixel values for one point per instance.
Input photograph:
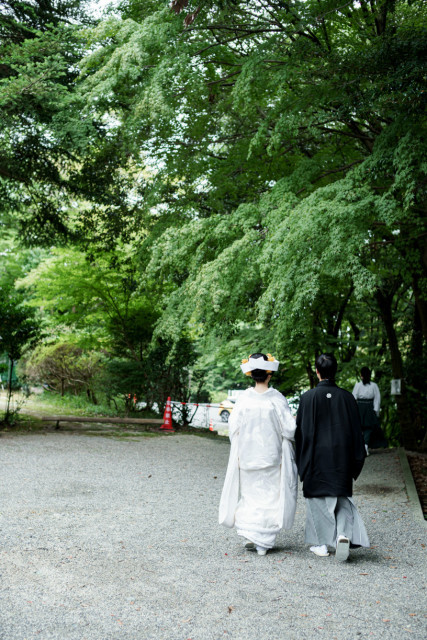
(245, 526)
(259, 539)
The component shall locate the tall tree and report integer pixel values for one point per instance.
(99, 300)
(287, 147)
(54, 157)
(19, 330)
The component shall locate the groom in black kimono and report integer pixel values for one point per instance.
(330, 454)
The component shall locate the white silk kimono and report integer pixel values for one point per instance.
(260, 490)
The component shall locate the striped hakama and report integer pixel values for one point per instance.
(329, 517)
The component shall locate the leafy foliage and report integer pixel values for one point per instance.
(247, 172)
(99, 300)
(19, 330)
(65, 367)
(287, 142)
(100, 322)
(53, 155)
(163, 372)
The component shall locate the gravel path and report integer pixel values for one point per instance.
(106, 539)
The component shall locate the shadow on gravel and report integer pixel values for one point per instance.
(374, 489)
(287, 549)
(370, 556)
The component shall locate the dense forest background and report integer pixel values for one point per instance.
(182, 184)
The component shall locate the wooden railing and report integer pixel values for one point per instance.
(100, 419)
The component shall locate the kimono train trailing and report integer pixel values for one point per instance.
(260, 489)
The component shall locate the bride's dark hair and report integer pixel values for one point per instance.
(259, 375)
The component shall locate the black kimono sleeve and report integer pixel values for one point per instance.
(303, 435)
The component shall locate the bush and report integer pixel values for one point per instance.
(65, 367)
(164, 372)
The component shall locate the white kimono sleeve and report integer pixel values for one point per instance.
(289, 473)
(377, 398)
(285, 417)
(230, 490)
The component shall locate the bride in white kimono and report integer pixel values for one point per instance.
(260, 489)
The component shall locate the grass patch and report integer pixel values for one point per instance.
(53, 404)
(26, 424)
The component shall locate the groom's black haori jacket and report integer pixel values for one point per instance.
(330, 450)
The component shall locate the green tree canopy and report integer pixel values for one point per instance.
(55, 157)
(101, 301)
(287, 149)
(19, 330)
(263, 161)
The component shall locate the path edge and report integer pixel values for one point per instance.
(414, 501)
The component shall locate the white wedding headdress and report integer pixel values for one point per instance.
(250, 364)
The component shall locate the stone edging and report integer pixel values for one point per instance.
(414, 501)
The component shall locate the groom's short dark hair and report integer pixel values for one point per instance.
(326, 365)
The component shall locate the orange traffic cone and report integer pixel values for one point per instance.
(211, 425)
(167, 417)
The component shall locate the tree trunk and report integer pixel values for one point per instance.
(421, 303)
(9, 390)
(311, 375)
(402, 402)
